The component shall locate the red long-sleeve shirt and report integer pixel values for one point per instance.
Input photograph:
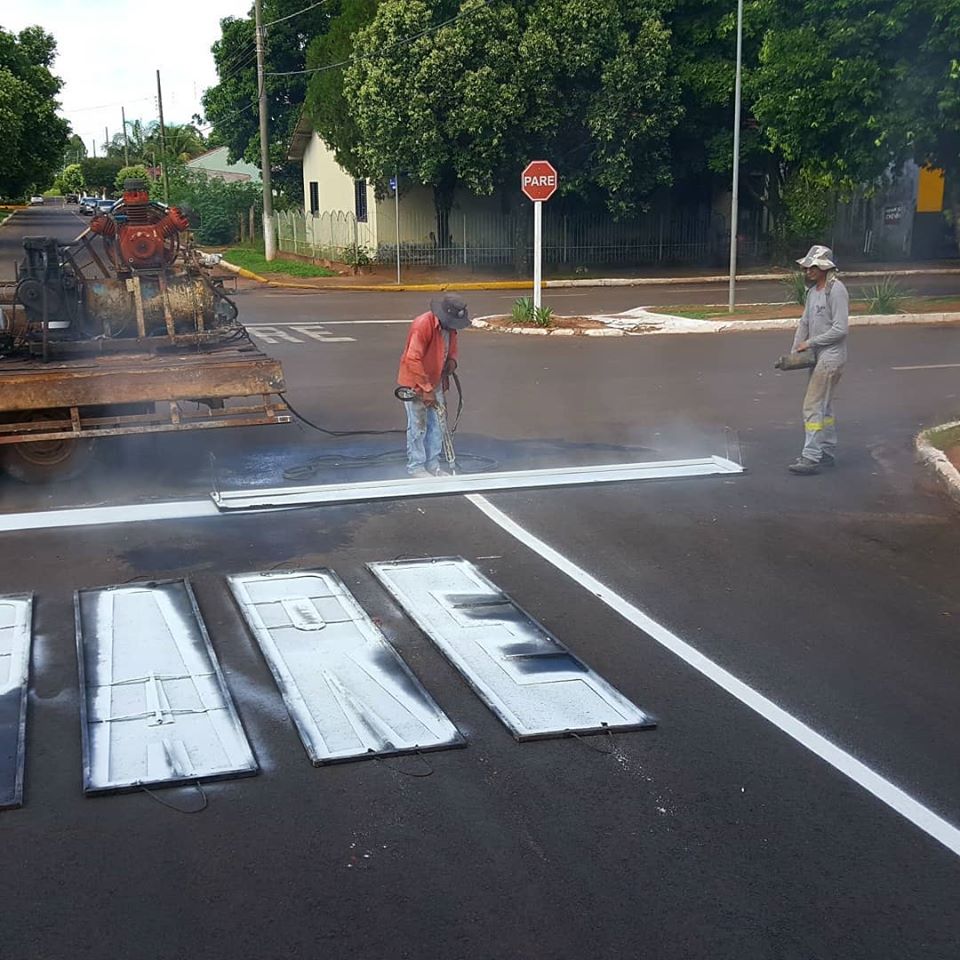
(421, 365)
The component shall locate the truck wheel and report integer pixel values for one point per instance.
(46, 461)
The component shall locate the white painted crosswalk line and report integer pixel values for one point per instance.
(271, 333)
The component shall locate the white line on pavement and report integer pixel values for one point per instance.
(895, 798)
(90, 516)
(929, 366)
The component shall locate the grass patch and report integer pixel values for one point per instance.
(687, 314)
(253, 259)
(4, 213)
(945, 439)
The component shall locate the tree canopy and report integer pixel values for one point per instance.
(34, 137)
(231, 105)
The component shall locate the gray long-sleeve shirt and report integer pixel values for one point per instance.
(824, 323)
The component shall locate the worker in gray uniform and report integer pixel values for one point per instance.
(822, 329)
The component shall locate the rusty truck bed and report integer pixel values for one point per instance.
(129, 393)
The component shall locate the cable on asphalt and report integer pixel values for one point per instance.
(173, 806)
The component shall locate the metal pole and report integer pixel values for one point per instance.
(269, 227)
(106, 142)
(163, 144)
(735, 189)
(537, 243)
(464, 237)
(396, 207)
(126, 139)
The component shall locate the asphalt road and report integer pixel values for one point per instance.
(716, 835)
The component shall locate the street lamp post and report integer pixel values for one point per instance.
(735, 188)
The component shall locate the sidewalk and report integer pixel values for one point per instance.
(431, 279)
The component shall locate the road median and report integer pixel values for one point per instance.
(938, 450)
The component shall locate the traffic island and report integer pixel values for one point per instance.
(938, 450)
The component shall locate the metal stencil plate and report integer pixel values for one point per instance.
(530, 680)
(155, 708)
(348, 691)
(253, 499)
(16, 615)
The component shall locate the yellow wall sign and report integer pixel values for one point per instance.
(930, 190)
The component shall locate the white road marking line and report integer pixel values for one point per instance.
(91, 516)
(325, 323)
(929, 366)
(895, 798)
(316, 332)
(271, 333)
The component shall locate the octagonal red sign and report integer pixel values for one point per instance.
(539, 180)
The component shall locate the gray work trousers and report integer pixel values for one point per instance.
(819, 423)
(424, 436)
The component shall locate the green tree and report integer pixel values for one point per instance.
(231, 105)
(136, 171)
(33, 136)
(71, 180)
(99, 173)
(329, 111)
(851, 90)
(467, 93)
(75, 149)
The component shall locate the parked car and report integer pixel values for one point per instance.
(71, 198)
(36, 201)
(87, 206)
(105, 206)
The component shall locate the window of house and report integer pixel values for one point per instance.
(360, 191)
(314, 197)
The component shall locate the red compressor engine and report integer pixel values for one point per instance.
(138, 233)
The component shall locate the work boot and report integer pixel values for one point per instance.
(804, 467)
(828, 460)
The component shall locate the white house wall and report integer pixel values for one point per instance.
(335, 187)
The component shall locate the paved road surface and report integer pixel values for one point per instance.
(714, 836)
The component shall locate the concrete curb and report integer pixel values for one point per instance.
(656, 324)
(562, 284)
(936, 461)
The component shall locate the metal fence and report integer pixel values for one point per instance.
(489, 238)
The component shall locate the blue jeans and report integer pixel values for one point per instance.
(424, 438)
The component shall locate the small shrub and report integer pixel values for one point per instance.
(522, 311)
(796, 287)
(885, 296)
(357, 257)
(543, 316)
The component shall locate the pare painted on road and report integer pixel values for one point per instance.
(294, 333)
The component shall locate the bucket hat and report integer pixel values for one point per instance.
(451, 311)
(818, 256)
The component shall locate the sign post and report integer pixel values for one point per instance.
(538, 183)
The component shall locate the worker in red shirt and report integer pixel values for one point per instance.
(429, 358)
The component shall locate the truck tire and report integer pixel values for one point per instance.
(46, 461)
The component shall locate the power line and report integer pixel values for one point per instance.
(242, 63)
(397, 43)
(290, 16)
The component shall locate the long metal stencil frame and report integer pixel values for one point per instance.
(370, 728)
(13, 698)
(248, 766)
(632, 717)
(304, 495)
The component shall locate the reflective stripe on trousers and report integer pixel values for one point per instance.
(818, 419)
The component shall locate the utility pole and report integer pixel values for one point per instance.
(106, 142)
(126, 139)
(735, 187)
(163, 144)
(269, 228)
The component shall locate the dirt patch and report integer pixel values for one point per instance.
(556, 323)
(953, 455)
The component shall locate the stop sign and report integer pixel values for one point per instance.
(539, 180)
